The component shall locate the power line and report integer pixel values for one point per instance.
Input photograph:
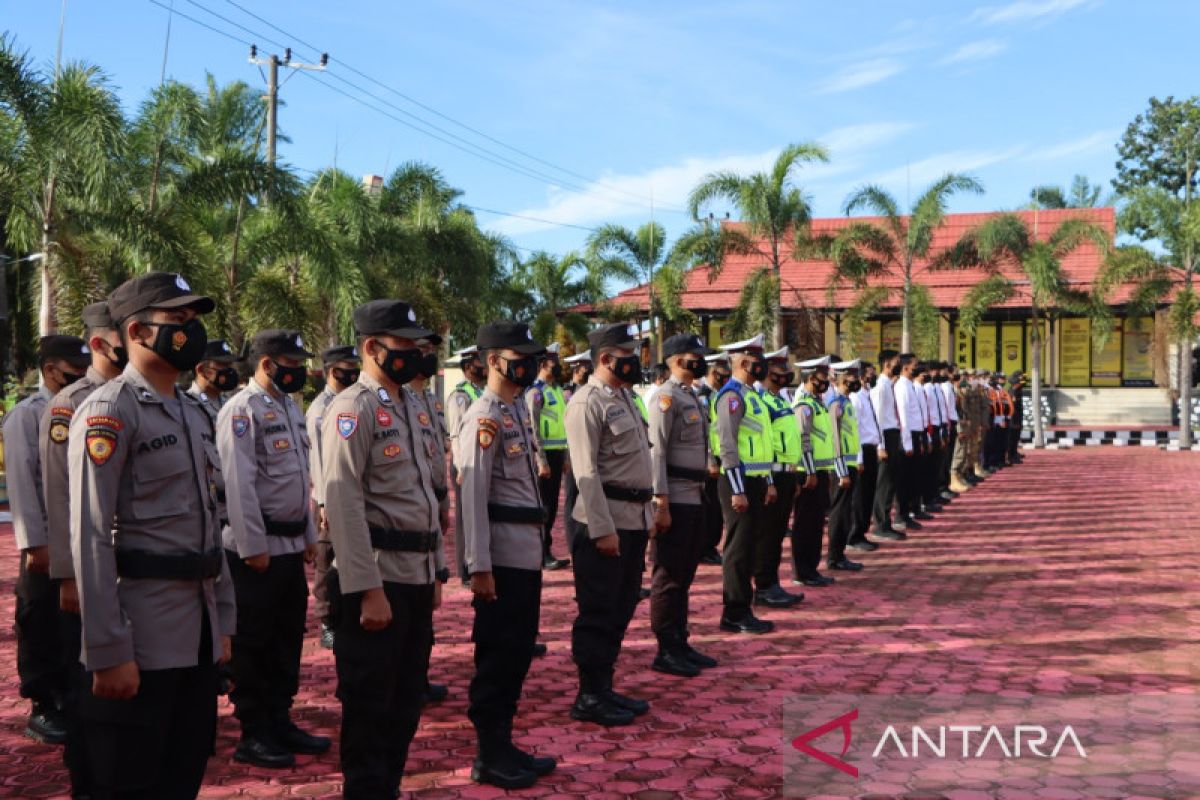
(532, 219)
(195, 21)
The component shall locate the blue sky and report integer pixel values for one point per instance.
(636, 101)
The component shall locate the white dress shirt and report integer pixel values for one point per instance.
(951, 400)
(868, 428)
(908, 405)
(933, 402)
(883, 397)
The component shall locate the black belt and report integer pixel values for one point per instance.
(403, 541)
(501, 513)
(698, 475)
(628, 495)
(143, 564)
(440, 493)
(220, 495)
(287, 529)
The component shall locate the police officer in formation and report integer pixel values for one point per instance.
(465, 393)
(679, 457)
(581, 368)
(849, 456)
(714, 525)
(341, 367)
(548, 409)
(826, 468)
(264, 452)
(215, 377)
(501, 526)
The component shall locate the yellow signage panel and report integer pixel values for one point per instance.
(1106, 360)
(892, 333)
(1137, 361)
(1075, 351)
(985, 346)
(717, 330)
(1012, 356)
(964, 350)
(866, 346)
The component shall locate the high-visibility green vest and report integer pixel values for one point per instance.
(822, 431)
(468, 388)
(641, 405)
(553, 426)
(714, 436)
(848, 429)
(755, 448)
(785, 430)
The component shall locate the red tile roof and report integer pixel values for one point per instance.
(810, 277)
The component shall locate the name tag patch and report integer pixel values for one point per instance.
(281, 444)
(383, 417)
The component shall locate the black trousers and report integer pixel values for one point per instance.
(890, 487)
(549, 488)
(1014, 439)
(714, 520)
(41, 665)
(271, 609)
(809, 530)
(606, 595)
(948, 457)
(381, 685)
(841, 518)
(504, 634)
(769, 550)
(675, 554)
(742, 531)
(156, 745)
(459, 541)
(570, 526)
(931, 468)
(320, 587)
(864, 492)
(993, 447)
(77, 685)
(915, 468)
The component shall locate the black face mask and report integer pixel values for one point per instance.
(719, 382)
(626, 368)
(226, 380)
(181, 346)
(428, 366)
(119, 357)
(821, 386)
(896, 370)
(400, 366)
(583, 377)
(521, 371)
(556, 372)
(855, 385)
(289, 379)
(784, 379)
(475, 373)
(70, 377)
(345, 377)
(694, 366)
(758, 370)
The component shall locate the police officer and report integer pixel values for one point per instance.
(548, 409)
(465, 393)
(341, 366)
(215, 376)
(812, 499)
(788, 448)
(714, 522)
(156, 596)
(679, 455)
(848, 450)
(746, 452)
(264, 451)
(108, 359)
(502, 528)
(377, 464)
(581, 368)
(1017, 421)
(870, 444)
(41, 665)
(611, 459)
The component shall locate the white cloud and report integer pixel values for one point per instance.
(975, 51)
(1094, 143)
(1026, 10)
(918, 174)
(863, 73)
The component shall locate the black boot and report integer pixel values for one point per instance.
(672, 658)
(499, 765)
(46, 724)
(260, 747)
(695, 656)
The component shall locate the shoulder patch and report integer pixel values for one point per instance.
(62, 411)
(734, 402)
(347, 424)
(59, 430)
(240, 424)
(102, 439)
(488, 429)
(384, 397)
(383, 417)
(664, 402)
(105, 421)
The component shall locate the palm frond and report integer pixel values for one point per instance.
(991, 291)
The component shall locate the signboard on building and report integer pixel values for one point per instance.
(964, 349)
(985, 346)
(716, 333)
(1137, 358)
(892, 333)
(1012, 350)
(1075, 351)
(1106, 359)
(866, 346)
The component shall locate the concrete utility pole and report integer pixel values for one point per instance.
(273, 63)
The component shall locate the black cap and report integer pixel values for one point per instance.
(508, 335)
(343, 352)
(618, 334)
(278, 342)
(219, 350)
(155, 290)
(69, 348)
(685, 343)
(95, 315)
(390, 317)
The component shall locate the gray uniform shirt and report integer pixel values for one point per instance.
(377, 473)
(22, 464)
(678, 436)
(142, 479)
(456, 409)
(53, 434)
(497, 466)
(312, 423)
(608, 444)
(433, 426)
(212, 403)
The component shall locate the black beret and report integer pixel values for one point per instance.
(343, 352)
(219, 350)
(278, 342)
(155, 290)
(388, 317)
(685, 343)
(618, 334)
(68, 348)
(95, 315)
(508, 335)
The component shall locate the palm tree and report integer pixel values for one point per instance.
(554, 284)
(1007, 242)
(777, 215)
(1082, 194)
(863, 251)
(634, 253)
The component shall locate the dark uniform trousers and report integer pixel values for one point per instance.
(41, 662)
(271, 609)
(914, 469)
(77, 685)
(381, 685)
(931, 470)
(948, 457)
(769, 551)
(714, 521)
(864, 492)
(570, 526)
(156, 745)
(676, 554)
(890, 487)
(504, 633)
(993, 453)
(549, 489)
(841, 518)
(606, 593)
(809, 530)
(742, 532)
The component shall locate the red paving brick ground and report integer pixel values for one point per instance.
(1074, 572)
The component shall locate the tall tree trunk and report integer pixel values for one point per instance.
(906, 317)
(1185, 394)
(47, 318)
(1035, 385)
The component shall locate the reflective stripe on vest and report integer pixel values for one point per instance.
(641, 405)
(785, 429)
(553, 427)
(848, 428)
(755, 450)
(468, 388)
(822, 432)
